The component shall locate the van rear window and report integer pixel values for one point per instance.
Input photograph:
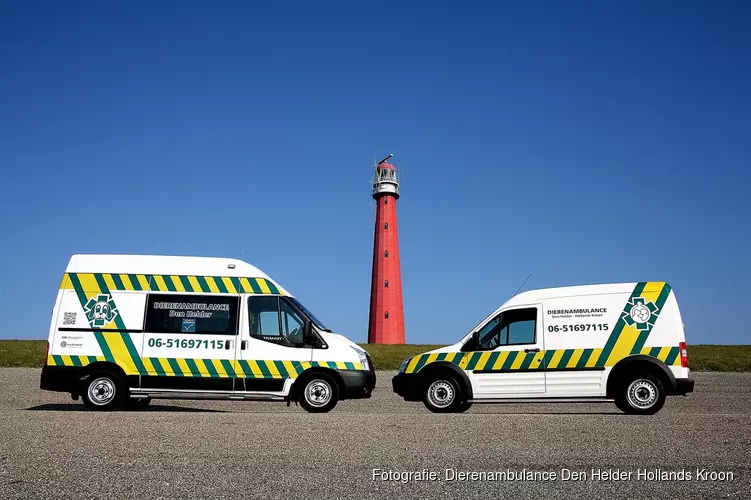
(207, 314)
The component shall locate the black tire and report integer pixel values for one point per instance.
(103, 391)
(642, 395)
(442, 394)
(621, 404)
(466, 405)
(318, 392)
(137, 404)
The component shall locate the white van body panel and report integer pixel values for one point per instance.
(338, 348)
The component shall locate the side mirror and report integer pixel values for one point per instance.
(473, 343)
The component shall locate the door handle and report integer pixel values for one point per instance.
(536, 349)
(243, 344)
(227, 344)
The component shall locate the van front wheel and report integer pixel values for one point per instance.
(319, 393)
(103, 391)
(443, 395)
(644, 395)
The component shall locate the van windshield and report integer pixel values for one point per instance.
(309, 314)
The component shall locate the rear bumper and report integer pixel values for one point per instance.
(406, 386)
(60, 378)
(684, 386)
(358, 384)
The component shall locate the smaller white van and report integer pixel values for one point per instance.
(129, 328)
(622, 343)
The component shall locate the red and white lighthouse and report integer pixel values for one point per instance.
(386, 325)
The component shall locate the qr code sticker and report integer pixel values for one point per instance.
(69, 318)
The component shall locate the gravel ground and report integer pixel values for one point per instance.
(51, 447)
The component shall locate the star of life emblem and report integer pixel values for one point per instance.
(640, 313)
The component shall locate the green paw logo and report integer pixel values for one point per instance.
(642, 314)
(100, 310)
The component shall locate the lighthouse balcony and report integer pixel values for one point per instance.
(385, 188)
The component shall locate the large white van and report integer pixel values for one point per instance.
(616, 342)
(129, 328)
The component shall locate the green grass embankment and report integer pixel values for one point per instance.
(28, 353)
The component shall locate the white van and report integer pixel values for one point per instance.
(129, 328)
(615, 342)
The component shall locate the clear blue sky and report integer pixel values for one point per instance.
(586, 143)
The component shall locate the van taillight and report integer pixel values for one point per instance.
(684, 354)
(46, 354)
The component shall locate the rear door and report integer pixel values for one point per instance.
(509, 358)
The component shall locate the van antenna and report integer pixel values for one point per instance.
(243, 259)
(525, 281)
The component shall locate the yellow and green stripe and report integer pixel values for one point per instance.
(555, 359)
(170, 283)
(627, 339)
(212, 368)
(72, 360)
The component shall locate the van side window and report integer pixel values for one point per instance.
(514, 327)
(520, 325)
(489, 335)
(292, 324)
(264, 317)
(273, 319)
(205, 314)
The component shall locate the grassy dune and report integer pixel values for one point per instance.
(30, 353)
(389, 357)
(22, 352)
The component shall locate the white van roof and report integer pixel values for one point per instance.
(163, 264)
(535, 296)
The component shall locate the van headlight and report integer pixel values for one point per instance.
(403, 366)
(363, 359)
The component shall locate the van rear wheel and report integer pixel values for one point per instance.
(642, 395)
(103, 391)
(319, 393)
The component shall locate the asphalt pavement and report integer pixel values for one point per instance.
(697, 447)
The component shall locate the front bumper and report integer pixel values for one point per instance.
(684, 386)
(358, 384)
(406, 386)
